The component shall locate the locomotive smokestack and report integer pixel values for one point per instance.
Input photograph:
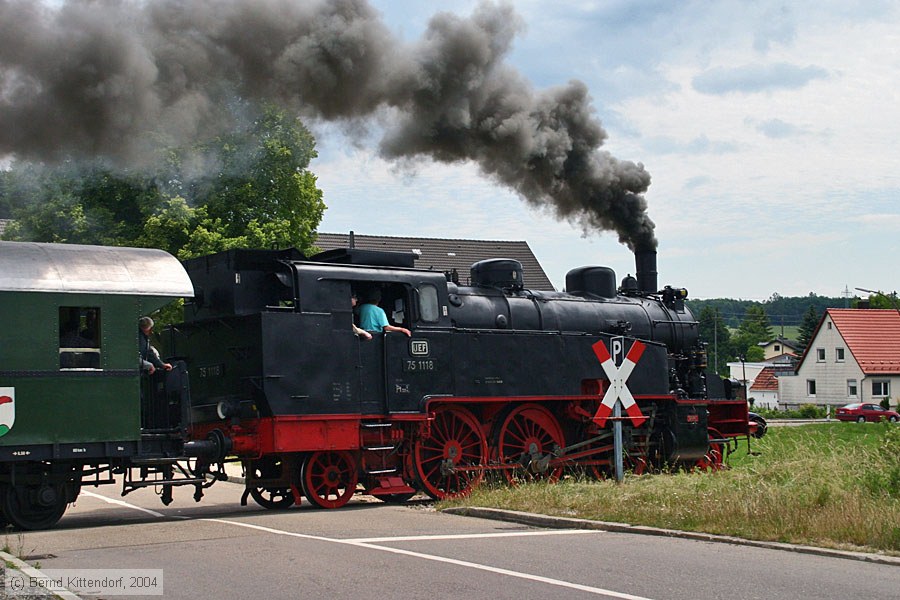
(645, 267)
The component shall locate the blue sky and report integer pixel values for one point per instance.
(769, 130)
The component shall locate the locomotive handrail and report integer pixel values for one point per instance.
(675, 322)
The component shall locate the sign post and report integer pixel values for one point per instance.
(617, 442)
(617, 395)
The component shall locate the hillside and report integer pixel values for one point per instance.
(782, 310)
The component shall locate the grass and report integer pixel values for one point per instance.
(834, 485)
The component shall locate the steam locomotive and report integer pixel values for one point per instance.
(495, 380)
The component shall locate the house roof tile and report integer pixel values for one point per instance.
(872, 336)
(448, 254)
(765, 381)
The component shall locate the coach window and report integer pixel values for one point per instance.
(429, 310)
(79, 337)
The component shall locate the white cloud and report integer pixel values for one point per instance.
(756, 78)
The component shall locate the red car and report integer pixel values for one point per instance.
(866, 412)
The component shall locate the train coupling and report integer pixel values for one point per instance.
(214, 448)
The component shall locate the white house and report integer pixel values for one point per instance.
(765, 394)
(764, 390)
(778, 347)
(853, 356)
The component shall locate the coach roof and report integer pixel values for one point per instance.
(73, 268)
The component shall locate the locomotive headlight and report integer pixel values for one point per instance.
(228, 408)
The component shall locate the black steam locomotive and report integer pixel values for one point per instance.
(494, 380)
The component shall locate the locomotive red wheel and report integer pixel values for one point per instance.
(715, 455)
(596, 463)
(444, 461)
(329, 478)
(272, 498)
(526, 439)
(268, 482)
(636, 464)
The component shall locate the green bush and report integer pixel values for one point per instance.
(807, 411)
(811, 411)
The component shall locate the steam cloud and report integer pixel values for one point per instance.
(102, 77)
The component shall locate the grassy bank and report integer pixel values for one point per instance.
(834, 485)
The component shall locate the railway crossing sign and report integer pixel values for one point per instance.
(618, 390)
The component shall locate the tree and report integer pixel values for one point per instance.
(84, 202)
(255, 192)
(755, 328)
(262, 194)
(6, 183)
(880, 300)
(715, 333)
(808, 327)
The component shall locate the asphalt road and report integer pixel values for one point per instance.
(218, 549)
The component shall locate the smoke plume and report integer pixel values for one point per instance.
(107, 77)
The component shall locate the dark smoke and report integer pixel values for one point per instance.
(110, 78)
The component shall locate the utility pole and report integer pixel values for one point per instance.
(716, 342)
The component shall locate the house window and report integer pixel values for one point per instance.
(852, 391)
(79, 337)
(839, 354)
(829, 324)
(881, 388)
(777, 348)
(820, 354)
(810, 387)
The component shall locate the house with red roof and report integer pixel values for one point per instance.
(853, 356)
(764, 391)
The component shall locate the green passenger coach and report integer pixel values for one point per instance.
(70, 381)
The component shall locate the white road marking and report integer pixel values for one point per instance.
(468, 536)
(452, 561)
(367, 543)
(121, 503)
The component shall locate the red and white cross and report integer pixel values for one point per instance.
(617, 389)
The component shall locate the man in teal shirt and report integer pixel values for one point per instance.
(372, 317)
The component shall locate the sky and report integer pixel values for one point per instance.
(768, 128)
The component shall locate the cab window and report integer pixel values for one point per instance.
(79, 337)
(428, 304)
(391, 297)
